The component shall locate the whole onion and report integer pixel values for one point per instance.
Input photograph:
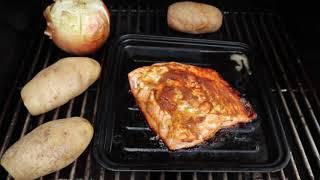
(78, 26)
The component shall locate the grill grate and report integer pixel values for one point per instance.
(296, 97)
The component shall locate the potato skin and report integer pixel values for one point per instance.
(193, 17)
(48, 148)
(58, 83)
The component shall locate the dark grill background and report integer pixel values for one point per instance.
(262, 30)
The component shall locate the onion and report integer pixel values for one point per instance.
(78, 26)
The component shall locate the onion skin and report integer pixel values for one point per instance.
(78, 26)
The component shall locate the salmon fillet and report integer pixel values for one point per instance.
(186, 105)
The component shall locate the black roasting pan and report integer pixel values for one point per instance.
(123, 141)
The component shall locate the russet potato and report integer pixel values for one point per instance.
(48, 148)
(194, 18)
(59, 83)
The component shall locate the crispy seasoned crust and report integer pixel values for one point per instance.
(186, 105)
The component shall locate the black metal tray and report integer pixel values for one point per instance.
(123, 140)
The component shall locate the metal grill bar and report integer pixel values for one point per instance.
(194, 176)
(132, 175)
(306, 101)
(10, 96)
(147, 19)
(117, 176)
(129, 29)
(278, 87)
(298, 108)
(88, 160)
(245, 27)
(240, 38)
(225, 176)
(300, 84)
(226, 24)
(306, 77)
(239, 176)
(235, 22)
(294, 166)
(283, 176)
(117, 31)
(302, 90)
(138, 20)
(17, 109)
(95, 108)
(148, 176)
(285, 104)
(102, 173)
(74, 164)
(26, 124)
(210, 176)
(268, 176)
(83, 106)
(27, 120)
(284, 35)
(157, 13)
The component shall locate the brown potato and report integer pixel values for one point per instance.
(48, 148)
(194, 18)
(58, 83)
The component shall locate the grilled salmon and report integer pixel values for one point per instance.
(186, 105)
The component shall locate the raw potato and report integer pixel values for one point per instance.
(58, 83)
(194, 18)
(48, 148)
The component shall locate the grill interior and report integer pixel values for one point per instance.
(295, 96)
